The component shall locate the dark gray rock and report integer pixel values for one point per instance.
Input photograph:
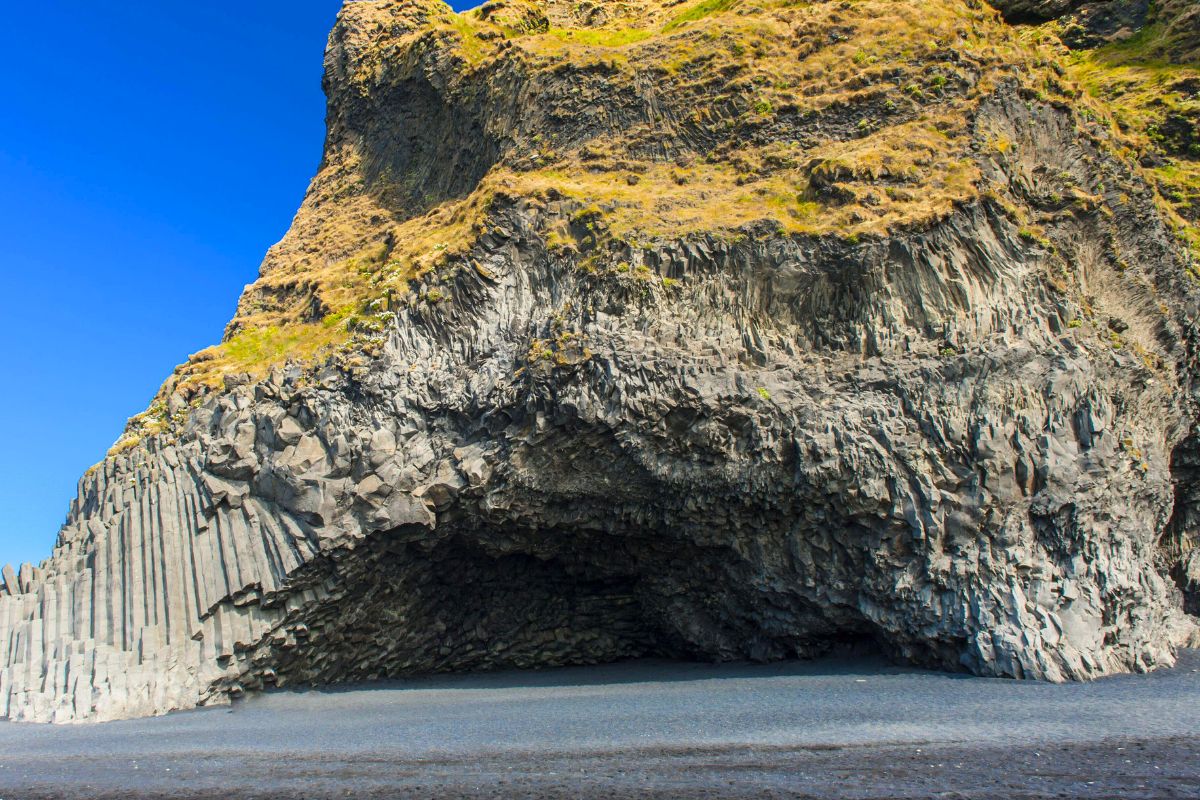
(1034, 10)
(918, 440)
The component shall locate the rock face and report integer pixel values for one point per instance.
(964, 434)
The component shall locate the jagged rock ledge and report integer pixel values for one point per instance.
(967, 443)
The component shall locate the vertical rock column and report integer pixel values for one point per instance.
(150, 590)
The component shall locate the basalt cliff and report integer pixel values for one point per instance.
(705, 329)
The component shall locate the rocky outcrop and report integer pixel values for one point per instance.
(1035, 10)
(1181, 22)
(964, 439)
(1175, 33)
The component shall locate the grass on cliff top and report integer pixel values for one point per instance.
(1137, 86)
(1143, 93)
(927, 63)
(599, 37)
(698, 11)
(255, 348)
(890, 178)
(746, 68)
(356, 289)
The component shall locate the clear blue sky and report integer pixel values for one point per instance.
(150, 152)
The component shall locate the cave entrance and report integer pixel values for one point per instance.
(402, 603)
(419, 607)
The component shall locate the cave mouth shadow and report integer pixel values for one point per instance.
(483, 611)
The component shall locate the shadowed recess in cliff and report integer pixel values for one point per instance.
(900, 351)
(418, 150)
(482, 601)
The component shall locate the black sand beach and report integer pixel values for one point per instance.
(835, 729)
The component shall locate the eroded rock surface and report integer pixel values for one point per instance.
(965, 438)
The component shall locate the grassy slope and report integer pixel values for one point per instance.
(906, 73)
(1150, 88)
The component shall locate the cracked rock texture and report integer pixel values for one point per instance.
(967, 444)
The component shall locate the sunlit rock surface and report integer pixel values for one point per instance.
(605, 390)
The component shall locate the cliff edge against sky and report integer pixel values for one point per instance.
(719, 329)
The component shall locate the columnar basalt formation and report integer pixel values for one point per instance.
(719, 330)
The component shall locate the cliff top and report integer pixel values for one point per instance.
(625, 123)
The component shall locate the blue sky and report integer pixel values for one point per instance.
(150, 153)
